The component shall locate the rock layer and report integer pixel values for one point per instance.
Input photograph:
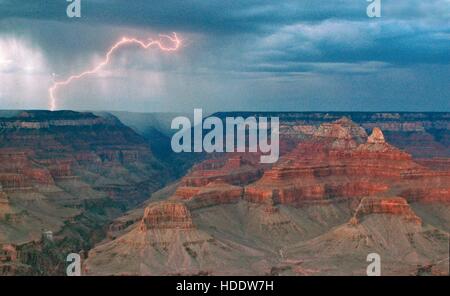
(385, 205)
(166, 215)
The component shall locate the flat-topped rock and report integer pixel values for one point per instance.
(384, 205)
(166, 215)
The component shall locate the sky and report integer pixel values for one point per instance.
(283, 55)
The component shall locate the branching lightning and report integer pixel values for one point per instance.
(158, 43)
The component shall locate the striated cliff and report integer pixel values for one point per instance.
(384, 205)
(166, 215)
(56, 168)
(332, 167)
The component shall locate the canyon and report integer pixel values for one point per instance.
(61, 171)
(346, 185)
(337, 194)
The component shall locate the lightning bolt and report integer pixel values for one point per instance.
(157, 43)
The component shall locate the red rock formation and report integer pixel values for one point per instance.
(376, 137)
(316, 193)
(166, 215)
(384, 205)
(230, 168)
(319, 170)
(187, 192)
(18, 170)
(343, 133)
(215, 193)
(218, 180)
(332, 163)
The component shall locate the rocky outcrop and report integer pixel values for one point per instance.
(298, 195)
(343, 128)
(377, 143)
(236, 170)
(342, 133)
(376, 137)
(384, 205)
(166, 215)
(215, 193)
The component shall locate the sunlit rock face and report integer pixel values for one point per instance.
(385, 205)
(342, 133)
(376, 137)
(166, 215)
(233, 169)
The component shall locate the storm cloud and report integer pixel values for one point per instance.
(236, 55)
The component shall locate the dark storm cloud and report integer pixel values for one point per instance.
(232, 16)
(410, 31)
(288, 45)
(336, 41)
